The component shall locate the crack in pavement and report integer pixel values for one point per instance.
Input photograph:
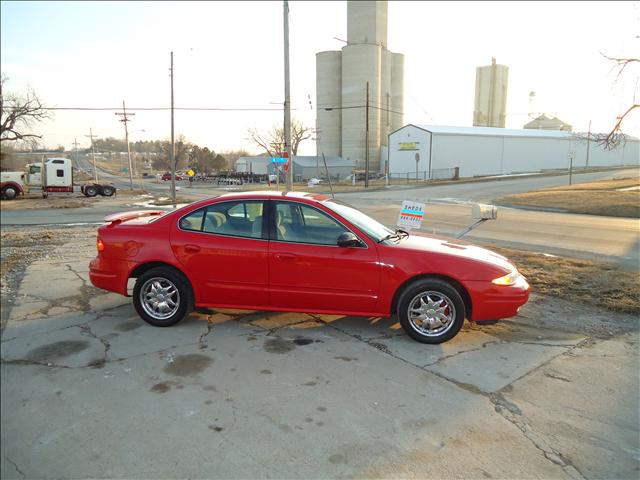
(447, 357)
(22, 361)
(15, 465)
(202, 341)
(510, 412)
(85, 329)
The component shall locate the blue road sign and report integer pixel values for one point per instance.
(278, 160)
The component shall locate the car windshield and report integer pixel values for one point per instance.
(374, 229)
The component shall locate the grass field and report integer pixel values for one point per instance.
(584, 281)
(606, 198)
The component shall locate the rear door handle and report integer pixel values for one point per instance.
(285, 256)
(191, 248)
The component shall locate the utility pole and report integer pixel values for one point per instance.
(93, 154)
(287, 100)
(588, 144)
(75, 150)
(173, 144)
(125, 120)
(366, 141)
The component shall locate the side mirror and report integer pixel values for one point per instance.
(348, 239)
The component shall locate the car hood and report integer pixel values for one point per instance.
(453, 247)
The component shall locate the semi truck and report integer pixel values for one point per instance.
(53, 175)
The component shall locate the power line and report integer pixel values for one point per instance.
(359, 106)
(113, 109)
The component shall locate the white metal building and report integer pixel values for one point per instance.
(481, 151)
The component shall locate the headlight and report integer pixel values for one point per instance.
(509, 279)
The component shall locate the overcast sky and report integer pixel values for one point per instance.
(230, 55)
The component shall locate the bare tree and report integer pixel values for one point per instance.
(19, 113)
(616, 137)
(272, 142)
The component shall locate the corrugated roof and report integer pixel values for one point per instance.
(492, 132)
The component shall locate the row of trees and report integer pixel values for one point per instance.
(158, 153)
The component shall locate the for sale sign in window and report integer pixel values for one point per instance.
(411, 215)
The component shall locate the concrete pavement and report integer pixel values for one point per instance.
(89, 390)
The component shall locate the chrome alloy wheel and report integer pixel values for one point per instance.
(159, 298)
(431, 313)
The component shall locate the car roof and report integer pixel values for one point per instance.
(318, 197)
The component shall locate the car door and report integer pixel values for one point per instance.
(308, 271)
(223, 248)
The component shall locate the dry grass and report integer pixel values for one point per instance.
(582, 281)
(601, 185)
(595, 198)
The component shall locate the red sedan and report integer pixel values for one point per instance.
(304, 253)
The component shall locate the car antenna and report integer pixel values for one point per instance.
(328, 176)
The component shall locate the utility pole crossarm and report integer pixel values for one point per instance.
(93, 154)
(125, 120)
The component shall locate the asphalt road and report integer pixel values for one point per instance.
(448, 213)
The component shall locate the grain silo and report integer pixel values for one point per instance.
(342, 114)
(329, 94)
(490, 108)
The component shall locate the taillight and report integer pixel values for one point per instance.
(100, 245)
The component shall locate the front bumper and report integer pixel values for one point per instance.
(492, 302)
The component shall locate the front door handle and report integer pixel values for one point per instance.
(191, 248)
(285, 256)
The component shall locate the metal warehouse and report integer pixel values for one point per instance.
(304, 167)
(426, 150)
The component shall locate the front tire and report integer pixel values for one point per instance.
(431, 311)
(9, 192)
(162, 296)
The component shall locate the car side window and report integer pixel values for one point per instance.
(193, 221)
(239, 219)
(303, 224)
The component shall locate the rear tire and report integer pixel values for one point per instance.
(431, 311)
(162, 296)
(90, 191)
(108, 191)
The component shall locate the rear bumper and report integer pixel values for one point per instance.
(111, 275)
(492, 302)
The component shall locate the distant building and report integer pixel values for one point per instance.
(304, 167)
(481, 151)
(257, 164)
(490, 107)
(548, 122)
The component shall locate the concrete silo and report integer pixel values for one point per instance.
(329, 95)
(490, 108)
(365, 59)
(361, 63)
